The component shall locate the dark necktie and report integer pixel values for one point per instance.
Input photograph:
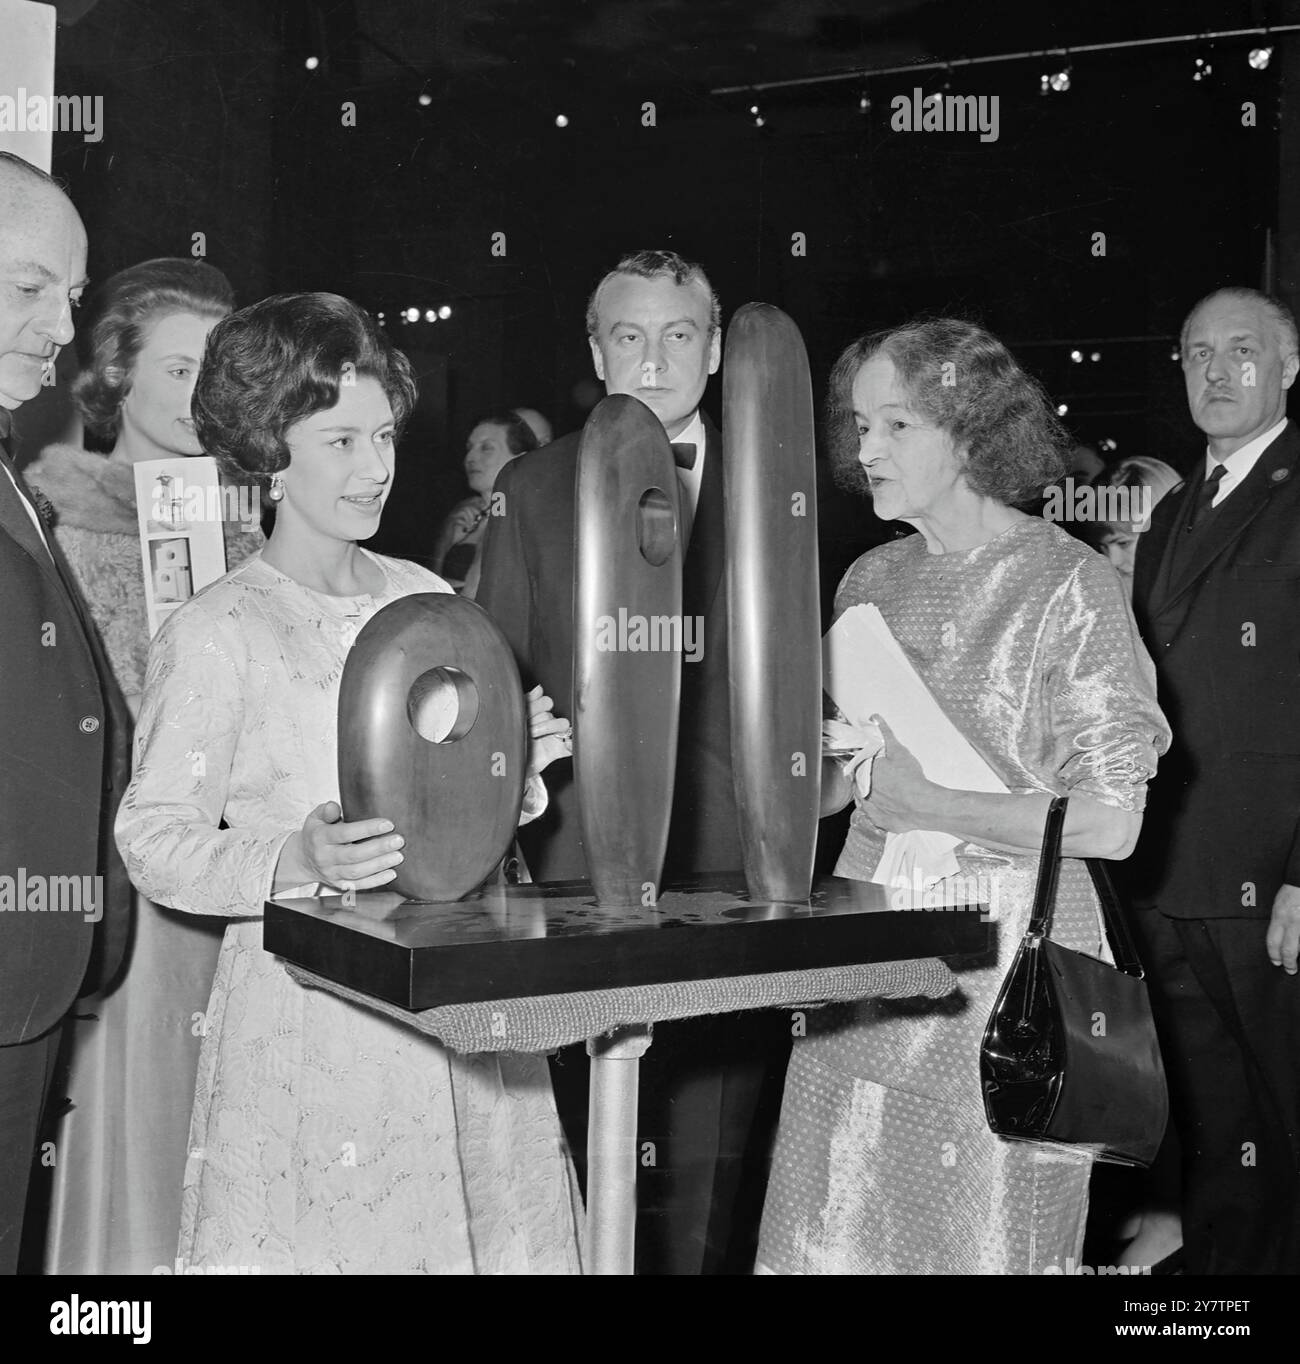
(684, 454)
(1205, 495)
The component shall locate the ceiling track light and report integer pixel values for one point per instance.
(1056, 82)
(1202, 41)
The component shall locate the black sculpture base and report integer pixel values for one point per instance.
(514, 941)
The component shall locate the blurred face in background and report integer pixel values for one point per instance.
(155, 418)
(486, 454)
(1119, 542)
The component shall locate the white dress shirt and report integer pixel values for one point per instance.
(689, 480)
(1240, 462)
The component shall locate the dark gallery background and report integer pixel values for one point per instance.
(528, 118)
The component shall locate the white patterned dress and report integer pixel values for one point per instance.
(325, 1138)
(884, 1162)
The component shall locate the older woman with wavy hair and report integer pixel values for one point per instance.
(884, 1162)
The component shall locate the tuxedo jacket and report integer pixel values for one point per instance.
(1219, 608)
(64, 765)
(527, 583)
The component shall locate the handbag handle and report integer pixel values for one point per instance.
(1112, 914)
(1049, 868)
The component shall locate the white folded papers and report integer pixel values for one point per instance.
(865, 672)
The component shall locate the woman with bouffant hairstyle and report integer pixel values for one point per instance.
(282, 360)
(885, 1163)
(326, 1138)
(141, 348)
(121, 316)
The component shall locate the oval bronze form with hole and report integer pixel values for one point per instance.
(628, 559)
(433, 736)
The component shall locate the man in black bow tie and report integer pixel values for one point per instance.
(63, 723)
(654, 327)
(1217, 594)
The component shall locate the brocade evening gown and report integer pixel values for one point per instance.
(884, 1161)
(325, 1138)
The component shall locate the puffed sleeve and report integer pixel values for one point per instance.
(1106, 725)
(191, 720)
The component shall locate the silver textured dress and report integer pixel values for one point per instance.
(884, 1162)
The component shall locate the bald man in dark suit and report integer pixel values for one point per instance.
(1217, 596)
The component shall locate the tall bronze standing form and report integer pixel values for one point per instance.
(627, 647)
(433, 736)
(773, 602)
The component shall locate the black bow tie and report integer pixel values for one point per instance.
(684, 453)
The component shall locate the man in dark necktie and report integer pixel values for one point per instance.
(654, 327)
(63, 723)
(1217, 594)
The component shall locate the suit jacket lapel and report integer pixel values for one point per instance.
(1272, 468)
(706, 555)
(1151, 568)
(15, 519)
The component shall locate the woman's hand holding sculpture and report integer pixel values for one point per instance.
(550, 736)
(356, 855)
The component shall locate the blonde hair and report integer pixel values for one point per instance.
(1140, 471)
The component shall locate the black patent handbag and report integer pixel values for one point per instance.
(1070, 1056)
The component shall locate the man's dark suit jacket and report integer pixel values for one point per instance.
(1222, 828)
(527, 586)
(64, 764)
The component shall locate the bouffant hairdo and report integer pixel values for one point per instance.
(520, 437)
(965, 381)
(285, 358)
(122, 311)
